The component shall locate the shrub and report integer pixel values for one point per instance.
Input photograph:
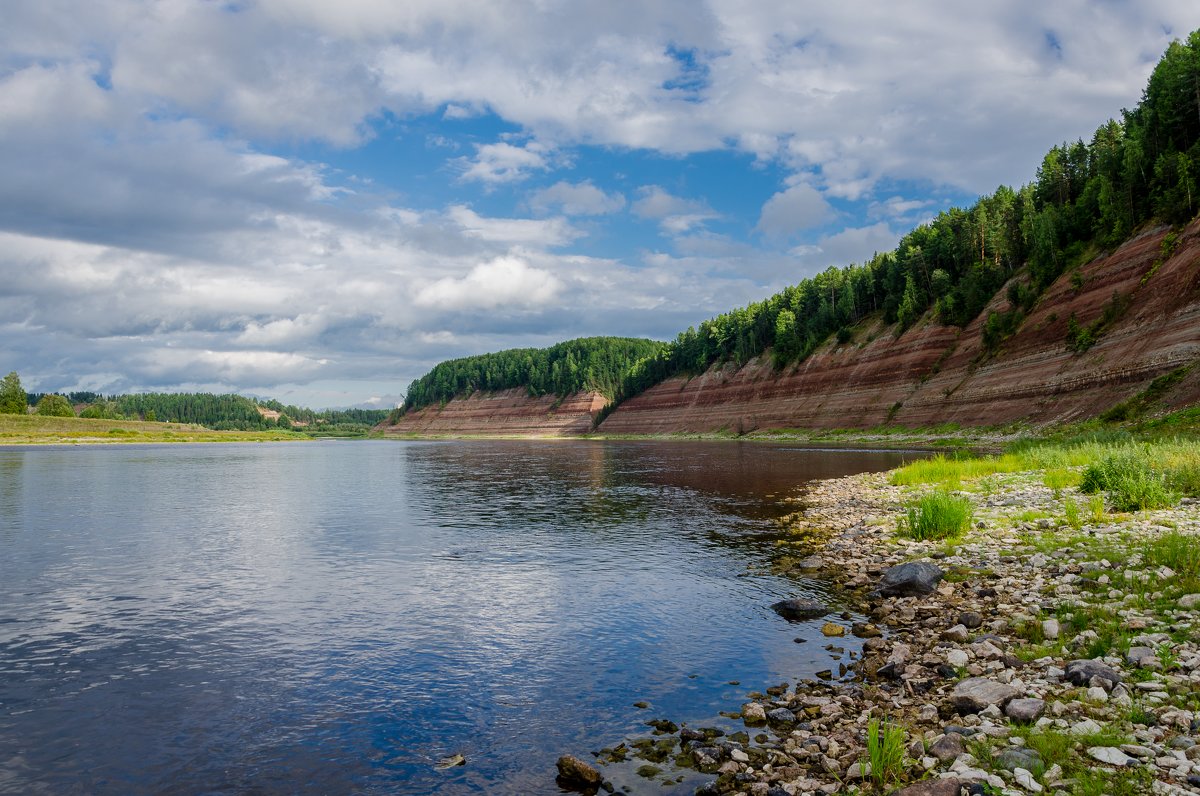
(938, 515)
(55, 406)
(1130, 481)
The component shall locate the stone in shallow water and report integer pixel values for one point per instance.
(781, 716)
(574, 774)
(797, 610)
(833, 629)
(914, 579)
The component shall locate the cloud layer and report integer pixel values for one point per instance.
(218, 195)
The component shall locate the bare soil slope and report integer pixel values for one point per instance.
(933, 374)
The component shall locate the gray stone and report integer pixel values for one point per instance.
(914, 579)
(1019, 757)
(574, 774)
(976, 693)
(1026, 711)
(957, 633)
(1025, 780)
(781, 716)
(1139, 656)
(948, 747)
(1110, 755)
(970, 619)
(865, 630)
(1051, 629)
(1189, 601)
(1082, 671)
(934, 787)
(798, 609)
(754, 713)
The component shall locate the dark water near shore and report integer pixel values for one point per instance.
(336, 617)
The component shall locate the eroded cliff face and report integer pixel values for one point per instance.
(504, 413)
(935, 374)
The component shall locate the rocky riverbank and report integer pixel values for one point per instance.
(1054, 648)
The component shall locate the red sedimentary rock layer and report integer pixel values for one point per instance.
(508, 412)
(934, 374)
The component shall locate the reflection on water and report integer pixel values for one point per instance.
(336, 617)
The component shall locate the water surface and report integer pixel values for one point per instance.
(337, 616)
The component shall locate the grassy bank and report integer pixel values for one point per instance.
(39, 430)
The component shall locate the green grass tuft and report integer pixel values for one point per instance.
(937, 515)
(885, 750)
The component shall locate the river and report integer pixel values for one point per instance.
(337, 617)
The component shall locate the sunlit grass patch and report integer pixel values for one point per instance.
(937, 515)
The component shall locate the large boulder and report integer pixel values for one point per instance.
(576, 775)
(977, 693)
(914, 579)
(799, 609)
(1081, 672)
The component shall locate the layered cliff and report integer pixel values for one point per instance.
(933, 374)
(503, 413)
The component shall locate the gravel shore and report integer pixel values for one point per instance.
(1048, 650)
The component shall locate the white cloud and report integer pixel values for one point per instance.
(502, 162)
(797, 208)
(674, 214)
(850, 245)
(576, 199)
(549, 232)
(507, 282)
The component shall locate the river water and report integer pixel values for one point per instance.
(336, 617)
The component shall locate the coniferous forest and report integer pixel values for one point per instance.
(1086, 198)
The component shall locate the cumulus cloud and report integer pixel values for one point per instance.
(502, 162)
(790, 211)
(674, 214)
(504, 282)
(548, 232)
(576, 199)
(158, 228)
(851, 245)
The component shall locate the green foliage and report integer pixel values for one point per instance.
(1072, 514)
(1084, 196)
(101, 410)
(590, 363)
(885, 751)
(1139, 404)
(55, 406)
(13, 400)
(1079, 338)
(937, 515)
(1179, 551)
(1131, 481)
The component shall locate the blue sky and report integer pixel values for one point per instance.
(317, 202)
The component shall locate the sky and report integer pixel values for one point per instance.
(319, 201)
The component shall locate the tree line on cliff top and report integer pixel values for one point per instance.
(596, 364)
(1086, 197)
